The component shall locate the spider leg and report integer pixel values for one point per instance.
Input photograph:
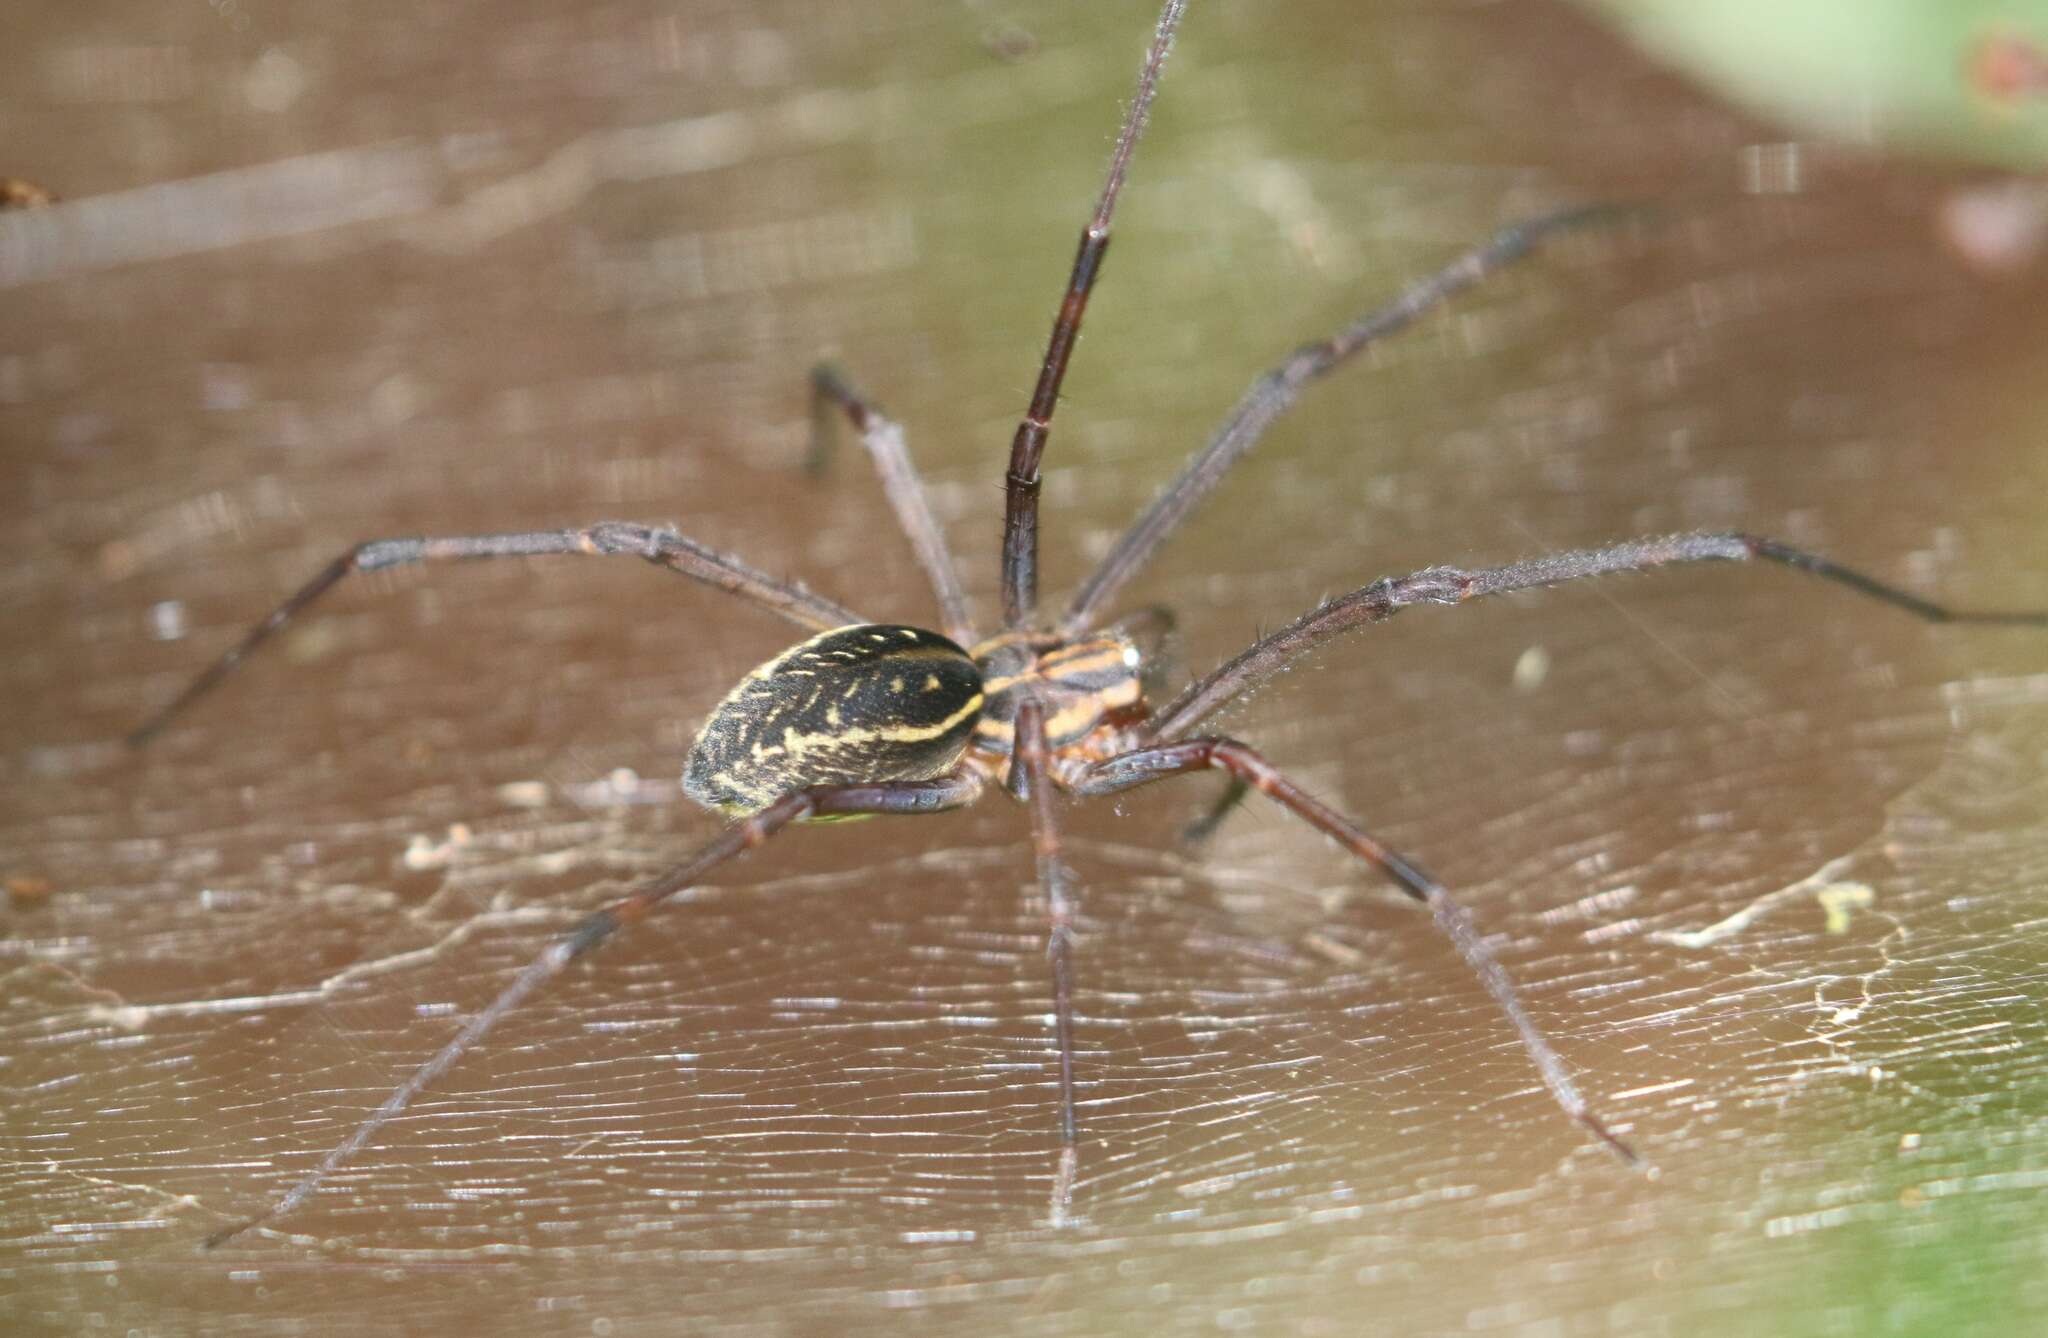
(663, 548)
(1144, 765)
(1276, 391)
(1020, 512)
(883, 437)
(1197, 833)
(1451, 585)
(1057, 880)
(959, 788)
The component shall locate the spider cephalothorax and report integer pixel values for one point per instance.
(869, 718)
(1089, 689)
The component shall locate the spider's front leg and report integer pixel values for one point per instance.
(1372, 604)
(1142, 766)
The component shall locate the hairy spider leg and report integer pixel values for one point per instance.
(1274, 392)
(883, 437)
(1200, 828)
(1020, 506)
(1033, 759)
(662, 547)
(1452, 585)
(954, 790)
(1142, 766)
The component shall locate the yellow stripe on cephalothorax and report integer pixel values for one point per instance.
(1101, 656)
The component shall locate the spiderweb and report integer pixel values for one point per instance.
(1765, 863)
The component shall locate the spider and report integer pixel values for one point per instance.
(883, 718)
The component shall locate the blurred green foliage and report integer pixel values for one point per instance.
(1960, 79)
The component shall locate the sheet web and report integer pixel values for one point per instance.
(817, 1098)
(808, 1059)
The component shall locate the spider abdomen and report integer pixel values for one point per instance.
(856, 705)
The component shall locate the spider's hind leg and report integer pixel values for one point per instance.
(883, 438)
(953, 790)
(606, 538)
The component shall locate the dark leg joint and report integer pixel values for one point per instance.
(1088, 260)
(595, 929)
(829, 390)
(387, 553)
(1432, 585)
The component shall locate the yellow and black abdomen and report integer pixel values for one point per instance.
(872, 702)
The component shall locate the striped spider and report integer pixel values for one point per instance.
(884, 718)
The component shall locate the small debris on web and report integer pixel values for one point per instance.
(1840, 901)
